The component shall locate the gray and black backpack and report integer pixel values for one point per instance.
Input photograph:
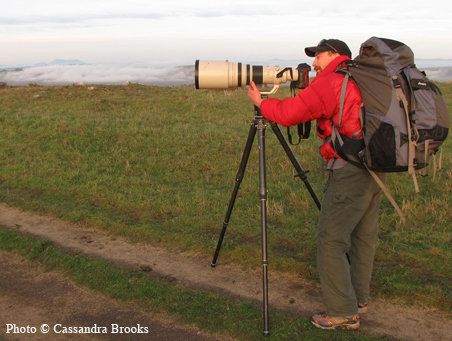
(405, 118)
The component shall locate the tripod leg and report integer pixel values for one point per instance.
(238, 180)
(263, 198)
(300, 172)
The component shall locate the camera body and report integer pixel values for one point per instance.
(226, 75)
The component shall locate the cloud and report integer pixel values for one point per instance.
(205, 12)
(90, 17)
(61, 19)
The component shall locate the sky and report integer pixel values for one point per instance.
(178, 32)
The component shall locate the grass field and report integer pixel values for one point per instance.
(158, 164)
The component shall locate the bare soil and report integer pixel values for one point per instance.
(22, 303)
(36, 298)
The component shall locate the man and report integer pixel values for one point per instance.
(349, 213)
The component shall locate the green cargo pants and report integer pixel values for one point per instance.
(347, 224)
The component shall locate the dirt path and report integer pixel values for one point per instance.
(36, 298)
(286, 293)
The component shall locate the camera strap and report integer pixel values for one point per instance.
(303, 130)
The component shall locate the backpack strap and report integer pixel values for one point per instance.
(413, 134)
(335, 135)
(388, 194)
(341, 105)
(437, 164)
(440, 159)
(426, 151)
(348, 148)
(440, 162)
(434, 167)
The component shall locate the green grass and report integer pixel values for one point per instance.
(158, 165)
(213, 312)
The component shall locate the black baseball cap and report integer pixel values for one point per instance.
(334, 45)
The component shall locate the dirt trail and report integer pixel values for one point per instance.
(34, 298)
(286, 293)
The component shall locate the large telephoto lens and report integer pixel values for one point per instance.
(225, 75)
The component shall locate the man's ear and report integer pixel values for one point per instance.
(334, 55)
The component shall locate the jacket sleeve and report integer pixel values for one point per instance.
(317, 100)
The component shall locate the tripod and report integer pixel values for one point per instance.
(259, 125)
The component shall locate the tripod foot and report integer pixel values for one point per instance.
(267, 334)
(213, 265)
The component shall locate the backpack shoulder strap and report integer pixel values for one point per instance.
(336, 135)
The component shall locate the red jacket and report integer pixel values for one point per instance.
(320, 101)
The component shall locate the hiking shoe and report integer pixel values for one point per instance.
(362, 308)
(328, 322)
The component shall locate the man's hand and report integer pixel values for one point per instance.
(255, 95)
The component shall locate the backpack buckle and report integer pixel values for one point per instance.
(396, 82)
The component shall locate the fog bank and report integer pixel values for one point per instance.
(147, 74)
(100, 74)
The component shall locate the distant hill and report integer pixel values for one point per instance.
(67, 62)
(428, 63)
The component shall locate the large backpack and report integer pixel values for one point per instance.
(405, 118)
